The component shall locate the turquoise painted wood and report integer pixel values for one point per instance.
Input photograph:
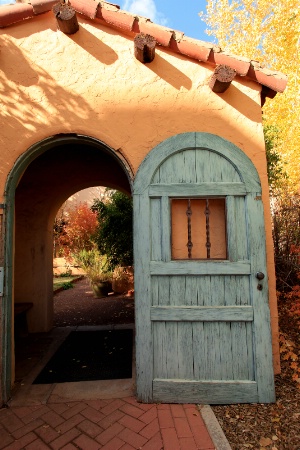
(202, 326)
(209, 391)
(202, 313)
(193, 189)
(194, 268)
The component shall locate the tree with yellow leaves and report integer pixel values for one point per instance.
(267, 31)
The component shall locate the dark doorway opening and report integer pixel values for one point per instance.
(68, 165)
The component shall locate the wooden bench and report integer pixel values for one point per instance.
(20, 315)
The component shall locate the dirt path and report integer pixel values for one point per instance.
(77, 306)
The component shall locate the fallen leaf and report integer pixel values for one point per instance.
(274, 438)
(265, 441)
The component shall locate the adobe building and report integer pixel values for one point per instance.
(177, 126)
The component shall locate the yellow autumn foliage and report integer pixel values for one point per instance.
(267, 31)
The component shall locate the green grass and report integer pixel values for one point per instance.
(59, 282)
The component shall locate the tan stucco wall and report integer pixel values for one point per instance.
(91, 84)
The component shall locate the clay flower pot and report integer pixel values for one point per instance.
(101, 288)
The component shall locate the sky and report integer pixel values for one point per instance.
(175, 14)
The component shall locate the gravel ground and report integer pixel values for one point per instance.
(78, 306)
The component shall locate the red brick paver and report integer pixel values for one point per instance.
(117, 424)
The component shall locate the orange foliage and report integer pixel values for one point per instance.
(294, 294)
(81, 224)
(287, 347)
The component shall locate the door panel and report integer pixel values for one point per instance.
(202, 290)
(195, 167)
(194, 350)
(203, 329)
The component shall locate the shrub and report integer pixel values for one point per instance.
(94, 264)
(67, 285)
(114, 236)
(75, 232)
(286, 237)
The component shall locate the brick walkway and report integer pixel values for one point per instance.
(114, 424)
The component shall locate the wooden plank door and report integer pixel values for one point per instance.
(202, 324)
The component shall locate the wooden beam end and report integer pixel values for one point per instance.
(66, 17)
(144, 47)
(221, 79)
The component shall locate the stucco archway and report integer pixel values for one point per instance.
(41, 180)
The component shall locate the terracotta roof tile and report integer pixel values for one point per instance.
(178, 35)
(162, 35)
(273, 80)
(10, 14)
(87, 7)
(112, 15)
(108, 4)
(193, 48)
(42, 6)
(240, 64)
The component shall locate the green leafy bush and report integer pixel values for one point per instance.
(67, 285)
(94, 264)
(114, 236)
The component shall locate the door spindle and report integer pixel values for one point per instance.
(208, 243)
(189, 225)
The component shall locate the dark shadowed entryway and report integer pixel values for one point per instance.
(42, 179)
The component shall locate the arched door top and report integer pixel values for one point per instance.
(197, 141)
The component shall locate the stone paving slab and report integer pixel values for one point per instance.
(107, 424)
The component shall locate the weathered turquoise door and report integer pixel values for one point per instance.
(202, 322)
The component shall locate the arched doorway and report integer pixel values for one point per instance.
(41, 180)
